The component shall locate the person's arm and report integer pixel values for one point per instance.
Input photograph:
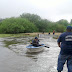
(59, 41)
(59, 44)
(31, 42)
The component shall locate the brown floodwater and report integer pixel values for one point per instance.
(15, 58)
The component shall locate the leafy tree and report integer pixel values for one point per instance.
(31, 17)
(60, 28)
(71, 21)
(63, 22)
(43, 25)
(31, 23)
(17, 25)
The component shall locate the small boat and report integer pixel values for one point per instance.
(31, 48)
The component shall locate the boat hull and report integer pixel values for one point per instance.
(31, 48)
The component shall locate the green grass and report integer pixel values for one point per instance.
(16, 35)
(7, 43)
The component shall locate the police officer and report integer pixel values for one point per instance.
(65, 43)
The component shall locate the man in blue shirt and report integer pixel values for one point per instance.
(65, 43)
(35, 42)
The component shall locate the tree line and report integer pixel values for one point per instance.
(29, 23)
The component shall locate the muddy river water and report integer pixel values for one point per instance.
(14, 56)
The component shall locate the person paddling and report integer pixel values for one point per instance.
(35, 42)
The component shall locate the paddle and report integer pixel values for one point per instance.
(46, 46)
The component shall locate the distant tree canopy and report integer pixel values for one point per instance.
(71, 22)
(63, 22)
(17, 25)
(27, 23)
(31, 17)
(1, 19)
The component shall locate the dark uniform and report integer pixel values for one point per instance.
(35, 42)
(66, 51)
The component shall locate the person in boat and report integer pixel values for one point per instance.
(35, 42)
(65, 55)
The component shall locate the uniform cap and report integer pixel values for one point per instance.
(69, 27)
(36, 38)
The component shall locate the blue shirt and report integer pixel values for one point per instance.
(66, 43)
(35, 42)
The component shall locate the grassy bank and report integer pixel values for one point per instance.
(24, 34)
(17, 35)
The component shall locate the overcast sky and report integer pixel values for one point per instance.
(53, 10)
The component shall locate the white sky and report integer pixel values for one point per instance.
(53, 10)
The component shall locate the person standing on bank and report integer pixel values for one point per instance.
(49, 33)
(53, 32)
(65, 43)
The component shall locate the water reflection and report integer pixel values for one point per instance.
(33, 56)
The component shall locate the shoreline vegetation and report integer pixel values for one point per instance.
(27, 35)
(31, 23)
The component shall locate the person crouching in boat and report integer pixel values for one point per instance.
(35, 42)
